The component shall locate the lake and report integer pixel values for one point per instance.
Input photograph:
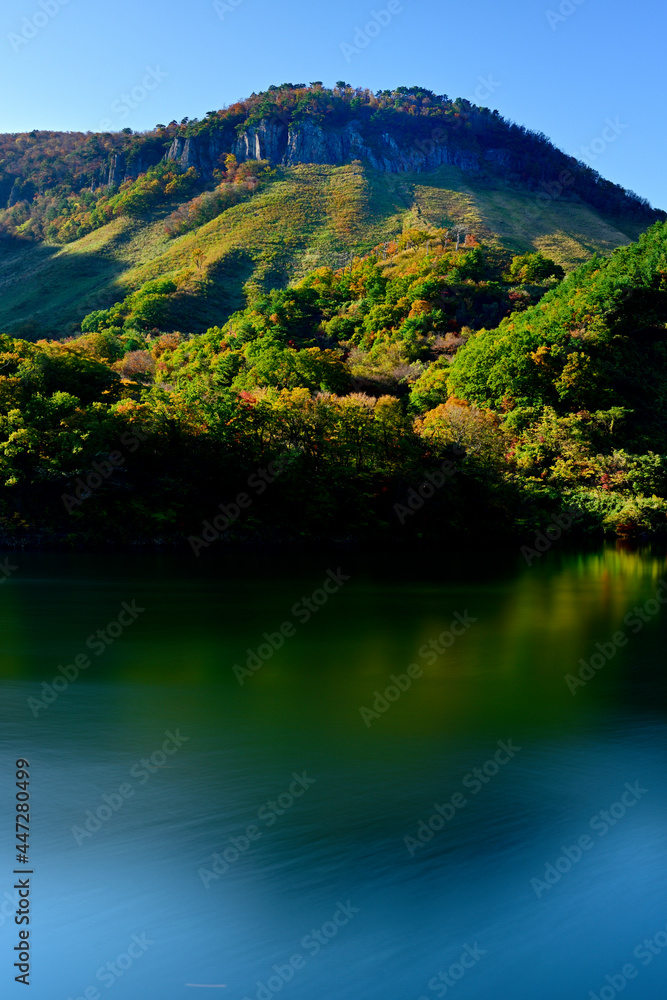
(232, 795)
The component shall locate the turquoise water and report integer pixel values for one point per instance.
(283, 842)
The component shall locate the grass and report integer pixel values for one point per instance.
(308, 216)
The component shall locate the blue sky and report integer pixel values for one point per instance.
(586, 73)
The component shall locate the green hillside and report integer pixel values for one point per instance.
(305, 216)
(502, 391)
(395, 297)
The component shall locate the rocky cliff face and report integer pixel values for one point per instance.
(308, 142)
(120, 170)
(117, 170)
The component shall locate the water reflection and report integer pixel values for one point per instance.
(288, 868)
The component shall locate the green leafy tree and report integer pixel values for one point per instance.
(533, 268)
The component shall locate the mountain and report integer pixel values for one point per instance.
(327, 315)
(258, 194)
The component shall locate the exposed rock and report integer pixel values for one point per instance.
(308, 142)
(502, 157)
(120, 170)
(116, 169)
(267, 142)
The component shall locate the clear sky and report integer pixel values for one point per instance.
(567, 68)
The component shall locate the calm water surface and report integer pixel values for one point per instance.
(215, 875)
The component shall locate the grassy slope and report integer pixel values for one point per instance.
(311, 215)
(51, 287)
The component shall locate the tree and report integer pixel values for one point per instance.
(531, 268)
(430, 389)
(476, 431)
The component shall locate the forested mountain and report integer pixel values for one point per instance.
(326, 315)
(407, 129)
(272, 186)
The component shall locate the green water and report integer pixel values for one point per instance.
(228, 868)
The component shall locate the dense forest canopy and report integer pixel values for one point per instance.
(536, 395)
(434, 385)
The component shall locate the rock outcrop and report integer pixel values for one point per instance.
(120, 170)
(309, 142)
